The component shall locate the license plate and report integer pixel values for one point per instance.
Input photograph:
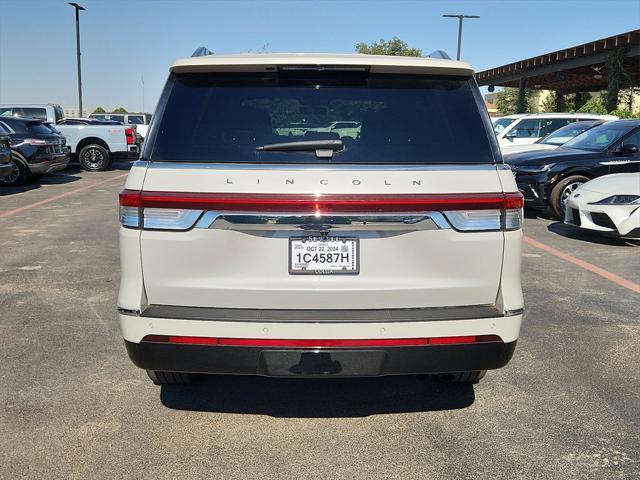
(323, 255)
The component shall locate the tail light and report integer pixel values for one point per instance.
(508, 217)
(129, 134)
(180, 211)
(34, 141)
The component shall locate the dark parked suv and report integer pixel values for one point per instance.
(6, 166)
(36, 149)
(548, 178)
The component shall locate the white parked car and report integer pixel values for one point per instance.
(609, 205)
(555, 139)
(340, 128)
(245, 251)
(527, 128)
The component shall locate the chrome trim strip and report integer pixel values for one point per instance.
(291, 221)
(467, 312)
(619, 162)
(316, 167)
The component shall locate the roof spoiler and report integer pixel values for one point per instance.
(441, 54)
(204, 51)
(201, 52)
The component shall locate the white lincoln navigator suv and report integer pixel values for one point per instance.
(392, 250)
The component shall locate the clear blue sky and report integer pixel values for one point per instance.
(123, 41)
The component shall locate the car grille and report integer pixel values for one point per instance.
(575, 213)
(602, 220)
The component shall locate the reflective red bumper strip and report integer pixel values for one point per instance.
(321, 204)
(327, 343)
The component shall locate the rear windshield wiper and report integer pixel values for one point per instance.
(323, 148)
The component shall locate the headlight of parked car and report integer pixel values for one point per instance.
(531, 168)
(618, 200)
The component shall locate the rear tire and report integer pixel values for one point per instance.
(170, 378)
(561, 192)
(18, 176)
(463, 377)
(94, 158)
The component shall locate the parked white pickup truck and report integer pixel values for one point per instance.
(94, 146)
(140, 120)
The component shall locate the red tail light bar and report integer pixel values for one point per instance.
(328, 343)
(129, 134)
(321, 204)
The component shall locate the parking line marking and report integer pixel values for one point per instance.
(612, 277)
(10, 213)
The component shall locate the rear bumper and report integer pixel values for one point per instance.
(324, 362)
(51, 164)
(376, 357)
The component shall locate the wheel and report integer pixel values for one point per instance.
(94, 158)
(561, 193)
(463, 377)
(170, 378)
(18, 176)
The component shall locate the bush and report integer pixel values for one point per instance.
(593, 105)
(623, 113)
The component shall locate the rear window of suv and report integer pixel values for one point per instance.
(40, 129)
(401, 119)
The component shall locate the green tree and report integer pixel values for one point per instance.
(579, 100)
(99, 110)
(507, 101)
(395, 46)
(617, 77)
(570, 103)
(120, 110)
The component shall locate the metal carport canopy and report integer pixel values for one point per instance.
(576, 69)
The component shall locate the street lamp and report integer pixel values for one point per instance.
(78, 8)
(460, 20)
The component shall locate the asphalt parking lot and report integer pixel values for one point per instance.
(73, 406)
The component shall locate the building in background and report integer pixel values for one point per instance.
(491, 107)
(74, 112)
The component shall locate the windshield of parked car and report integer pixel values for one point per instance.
(598, 138)
(502, 123)
(378, 118)
(566, 133)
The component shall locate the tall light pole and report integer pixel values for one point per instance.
(460, 20)
(78, 8)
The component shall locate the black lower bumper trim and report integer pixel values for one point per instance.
(326, 316)
(326, 362)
